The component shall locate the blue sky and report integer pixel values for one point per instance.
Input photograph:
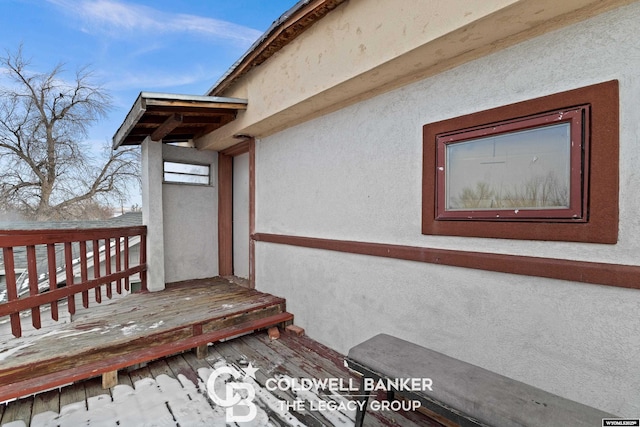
(177, 46)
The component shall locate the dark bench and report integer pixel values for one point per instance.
(461, 392)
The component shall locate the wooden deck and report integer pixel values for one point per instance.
(137, 328)
(171, 391)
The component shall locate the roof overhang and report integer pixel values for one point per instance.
(285, 29)
(175, 118)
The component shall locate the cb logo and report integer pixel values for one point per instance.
(233, 397)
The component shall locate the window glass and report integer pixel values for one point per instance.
(517, 170)
(186, 173)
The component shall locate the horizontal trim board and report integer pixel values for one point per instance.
(13, 238)
(624, 276)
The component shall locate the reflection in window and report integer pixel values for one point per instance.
(517, 170)
(186, 173)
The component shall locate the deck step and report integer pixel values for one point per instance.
(110, 363)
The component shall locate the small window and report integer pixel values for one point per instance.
(526, 169)
(187, 173)
(542, 169)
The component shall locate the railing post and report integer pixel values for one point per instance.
(107, 264)
(118, 264)
(32, 271)
(68, 266)
(12, 291)
(84, 275)
(53, 276)
(126, 261)
(96, 270)
(143, 261)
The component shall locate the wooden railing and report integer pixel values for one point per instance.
(58, 267)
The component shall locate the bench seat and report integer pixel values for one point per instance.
(462, 392)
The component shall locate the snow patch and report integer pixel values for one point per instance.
(166, 401)
(157, 324)
(14, 350)
(128, 330)
(66, 334)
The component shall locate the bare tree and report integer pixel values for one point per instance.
(539, 191)
(472, 198)
(46, 170)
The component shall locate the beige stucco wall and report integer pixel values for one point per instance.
(355, 174)
(190, 221)
(338, 114)
(152, 216)
(367, 47)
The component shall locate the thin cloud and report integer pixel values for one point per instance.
(115, 18)
(158, 80)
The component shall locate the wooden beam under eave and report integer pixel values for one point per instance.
(165, 128)
(130, 122)
(214, 126)
(196, 105)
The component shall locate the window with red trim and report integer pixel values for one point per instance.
(532, 168)
(542, 169)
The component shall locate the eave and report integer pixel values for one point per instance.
(175, 118)
(376, 51)
(285, 29)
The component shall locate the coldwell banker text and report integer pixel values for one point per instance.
(342, 385)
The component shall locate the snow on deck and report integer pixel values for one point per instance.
(173, 391)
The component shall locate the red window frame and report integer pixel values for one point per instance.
(578, 120)
(599, 222)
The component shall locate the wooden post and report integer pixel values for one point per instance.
(202, 351)
(225, 215)
(68, 267)
(107, 264)
(109, 379)
(143, 261)
(96, 270)
(84, 275)
(126, 261)
(32, 269)
(118, 263)
(252, 212)
(53, 277)
(12, 290)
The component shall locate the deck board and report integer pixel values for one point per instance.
(124, 378)
(290, 355)
(170, 390)
(71, 394)
(133, 329)
(176, 308)
(46, 401)
(94, 392)
(159, 367)
(255, 352)
(18, 410)
(140, 374)
(187, 365)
